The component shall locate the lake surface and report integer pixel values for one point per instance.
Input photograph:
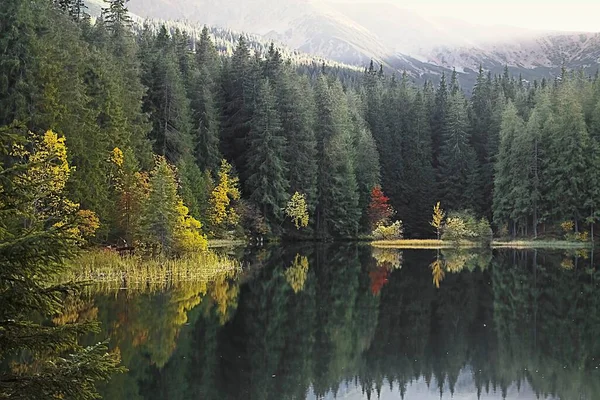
(348, 322)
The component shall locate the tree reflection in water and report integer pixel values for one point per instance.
(324, 320)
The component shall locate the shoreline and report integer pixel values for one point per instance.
(434, 244)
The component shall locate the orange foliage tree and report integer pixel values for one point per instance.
(380, 210)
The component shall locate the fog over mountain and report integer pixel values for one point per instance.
(403, 39)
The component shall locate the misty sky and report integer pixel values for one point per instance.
(566, 15)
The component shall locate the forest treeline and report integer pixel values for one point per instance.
(157, 117)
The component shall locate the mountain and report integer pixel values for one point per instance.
(354, 32)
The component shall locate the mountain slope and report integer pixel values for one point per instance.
(356, 32)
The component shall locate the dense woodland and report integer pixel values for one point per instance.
(239, 136)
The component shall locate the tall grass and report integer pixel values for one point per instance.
(110, 270)
(423, 244)
(541, 244)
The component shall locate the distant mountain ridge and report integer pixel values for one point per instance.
(354, 33)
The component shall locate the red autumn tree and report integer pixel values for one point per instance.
(379, 278)
(379, 209)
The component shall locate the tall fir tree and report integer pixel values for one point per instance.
(267, 184)
(458, 170)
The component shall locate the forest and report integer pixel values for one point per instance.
(171, 140)
(114, 133)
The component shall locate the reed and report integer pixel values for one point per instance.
(423, 244)
(108, 269)
(541, 244)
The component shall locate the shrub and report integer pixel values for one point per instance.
(388, 232)
(464, 226)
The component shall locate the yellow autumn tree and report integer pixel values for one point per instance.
(437, 272)
(297, 273)
(297, 210)
(438, 219)
(48, 176)
(222, 214)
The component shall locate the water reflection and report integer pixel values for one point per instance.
(348, 322)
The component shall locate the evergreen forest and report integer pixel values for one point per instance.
(163, 129)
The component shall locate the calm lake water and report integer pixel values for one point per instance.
(348, 322)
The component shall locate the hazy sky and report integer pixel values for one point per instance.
(566, 15)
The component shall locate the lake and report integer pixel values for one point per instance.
(349, 322)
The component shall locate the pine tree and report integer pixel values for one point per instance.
(337, 209)
(168, 227)
(568, 148)
(267, 184)
(458, 163)
(203, 94)
(296, 108)
(167, 102)
(19, 60)
(239, 96)
(205, 118)
(506, 168)
(51, 362)
(483, 137)
(419, 175)
(367, 166)
(116, 17)
(438, 119)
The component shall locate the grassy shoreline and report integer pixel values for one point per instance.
(102, 267)
(496, 244)
(220, 243)
(422, 244)
(541, 244)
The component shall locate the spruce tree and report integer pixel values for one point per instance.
(507, 169)
(296, 107)
(457, 171)
(267, 183)
(205, 117)
(167, 103)
(419, 175)
(482, 136)
(438, 119)
(569, 148)
(337, 209)
(238, 82)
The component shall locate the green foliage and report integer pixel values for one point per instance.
(168, 227)
(267, 182)
(390, 231)
(39, 229)
(465, 226)
(523, 155)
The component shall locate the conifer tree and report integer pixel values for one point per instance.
(167, 102)
(458, 163)
(296, 108)
(483, 136)
(41, 360)
(419, 175)
(506, 168)
(267, 183)
(568, 152)
(438, 119)
(337, 210)
(239, 97)
(168, 227)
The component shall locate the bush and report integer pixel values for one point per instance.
(568, 228)
(464, 226)
(388, 232)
